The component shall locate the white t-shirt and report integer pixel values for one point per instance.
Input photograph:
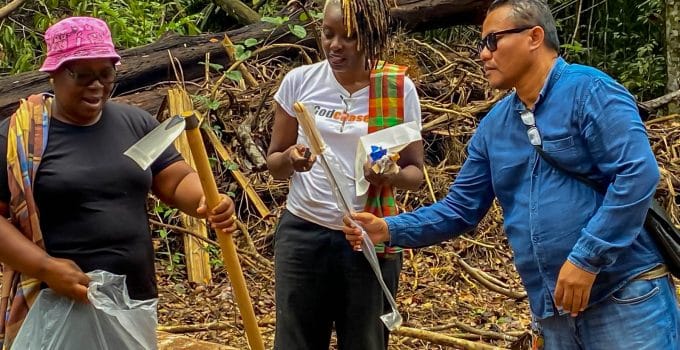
(310, 196)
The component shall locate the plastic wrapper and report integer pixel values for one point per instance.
(112, 321)
(380, 148)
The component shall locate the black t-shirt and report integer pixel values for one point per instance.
(91, 198)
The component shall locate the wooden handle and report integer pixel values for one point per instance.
(306, 121)
(212, 198)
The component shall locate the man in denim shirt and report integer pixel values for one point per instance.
(594, 277)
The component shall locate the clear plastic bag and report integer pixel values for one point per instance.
(340, 183)
(112, 321)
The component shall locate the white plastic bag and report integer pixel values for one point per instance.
(392, 139)
(112, 321)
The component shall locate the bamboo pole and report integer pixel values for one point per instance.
(197, 258)
(231, 262)
(225, 155)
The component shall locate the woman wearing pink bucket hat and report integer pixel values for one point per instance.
(75, 202)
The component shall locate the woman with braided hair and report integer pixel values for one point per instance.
(321, 282)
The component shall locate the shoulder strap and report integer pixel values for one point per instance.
(580, 177)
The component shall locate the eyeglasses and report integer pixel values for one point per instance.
(490, 41)
(105, 76)
(532, 131)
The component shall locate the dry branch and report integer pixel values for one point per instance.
(440, 339)
(225, 155)
(9, 8)
(475, 273)
(432, 337)
(661, 101)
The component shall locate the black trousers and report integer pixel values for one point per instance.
(320, 283)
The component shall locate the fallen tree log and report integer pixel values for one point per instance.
(9, 8)
(238, 10)
(148, 64)
(432, 14)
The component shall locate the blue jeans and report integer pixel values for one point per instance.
(642, 315)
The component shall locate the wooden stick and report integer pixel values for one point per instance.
(661, 101)
(440, 339)
(9, 8)
(229, 255)
(185, 231)
(254, 254)
(231, 52)
(225, 155)
(488, 284)
(663, 119)
(429, 184)
(479, 332)
(434, 338)
(306, 121)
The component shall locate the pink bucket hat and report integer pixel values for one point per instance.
(76, 38)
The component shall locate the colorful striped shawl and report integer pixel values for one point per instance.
(26, 141)
(385, 109)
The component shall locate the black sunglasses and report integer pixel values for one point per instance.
(490, 41)
(105, 76)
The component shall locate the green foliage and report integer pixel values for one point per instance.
(250, 42)
(164, 211)
(206, 102)
(132, 23)
(623, 38)
(215, 256)
(277, 21)
(297, 30)
(241, 53)
(229, 165)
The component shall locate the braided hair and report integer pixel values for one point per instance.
(369, 21)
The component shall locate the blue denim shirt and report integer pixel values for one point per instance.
(589, 124)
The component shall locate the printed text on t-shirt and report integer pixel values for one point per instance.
(339, 115)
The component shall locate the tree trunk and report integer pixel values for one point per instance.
(9, 8)
(145, 65)
(240, 11)
(148, 65)
(431, 14)
(673, 50)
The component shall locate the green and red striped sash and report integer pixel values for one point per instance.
(385, 109)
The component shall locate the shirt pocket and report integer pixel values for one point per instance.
(558, 145)
(568, 153)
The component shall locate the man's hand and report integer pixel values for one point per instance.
(301, 158)
(572, 291)
(222, 216)
(65, 278)
(375, 227)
